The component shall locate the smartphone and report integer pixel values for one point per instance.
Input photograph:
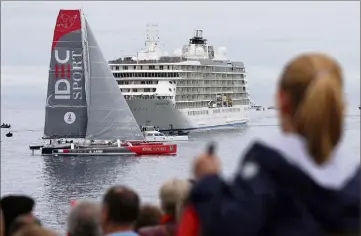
(211, 148)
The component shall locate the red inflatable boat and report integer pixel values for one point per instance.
(152, 148)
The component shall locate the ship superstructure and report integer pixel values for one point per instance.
(193, 89)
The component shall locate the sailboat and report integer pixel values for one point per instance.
(84, 102)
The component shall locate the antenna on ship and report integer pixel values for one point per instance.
(152, 37)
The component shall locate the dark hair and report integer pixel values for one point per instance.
(149, 215)
(14, 206)
(122, 204)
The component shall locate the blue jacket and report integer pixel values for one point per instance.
(279, 191)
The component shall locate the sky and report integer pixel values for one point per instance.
(263, 35)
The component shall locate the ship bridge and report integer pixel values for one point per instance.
(198, 48)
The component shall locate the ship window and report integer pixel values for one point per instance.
(168, 67)
(125, 67)
(170, 82)
(142, 82)
(135, 90)
(170, 90)
(141, 67)
(156, 75)
(117, 67)
(160, 67)
(134, 67)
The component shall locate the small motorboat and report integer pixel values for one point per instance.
(152, 134)
(156, 136)
(5, 126)
(9, 135)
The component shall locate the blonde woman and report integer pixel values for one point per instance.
(300, 183)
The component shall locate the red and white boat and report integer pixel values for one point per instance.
(84, 100)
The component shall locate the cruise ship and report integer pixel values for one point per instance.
(195, 88)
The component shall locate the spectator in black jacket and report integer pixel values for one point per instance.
(299, 183)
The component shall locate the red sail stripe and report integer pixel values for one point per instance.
(68, 71)
(62, 70)
(66, 22)
(56, 71)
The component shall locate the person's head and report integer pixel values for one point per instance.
(173, 194)
(1, 223)
(149, 215)
(34, 230)
(14, 206)
(310, 102)
(121, 206)
(84, 219)
(20, 222)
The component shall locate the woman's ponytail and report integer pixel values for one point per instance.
(313, 83)
(319, 117)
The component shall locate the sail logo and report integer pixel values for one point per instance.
(66, 21)
(69, 117)
(68, 74)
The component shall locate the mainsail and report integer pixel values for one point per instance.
(65, 111)
(92, 106)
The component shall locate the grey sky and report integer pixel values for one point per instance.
(264, 35)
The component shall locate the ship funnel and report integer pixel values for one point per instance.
(198, 33)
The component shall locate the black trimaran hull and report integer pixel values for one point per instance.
(106, 151)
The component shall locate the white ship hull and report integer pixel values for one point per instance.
(163, 114)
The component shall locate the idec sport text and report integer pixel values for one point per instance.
(68, 74)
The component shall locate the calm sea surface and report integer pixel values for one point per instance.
(54, 181)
